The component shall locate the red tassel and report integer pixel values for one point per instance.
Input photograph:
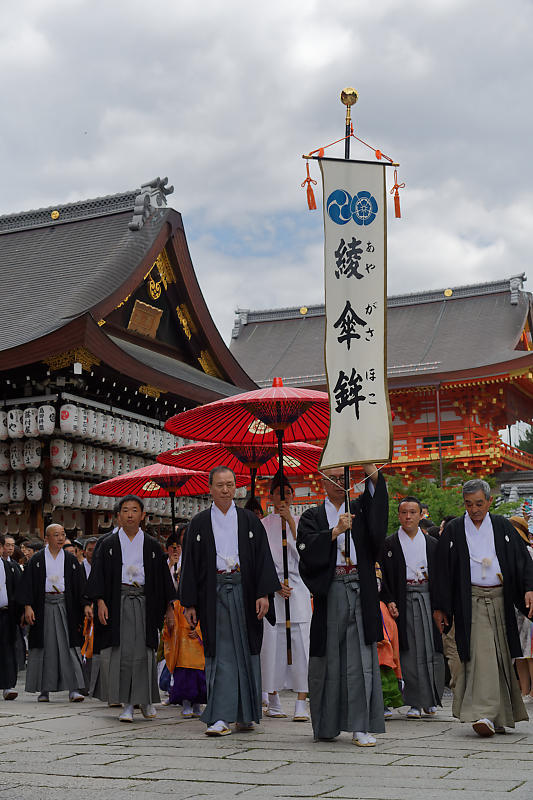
(310, 194)
(394, 191)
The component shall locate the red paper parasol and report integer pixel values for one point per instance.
(264, 416)
(157, 480)
(243, 458)
(302, 415)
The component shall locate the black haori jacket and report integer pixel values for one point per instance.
(452, 591)
(31, 592)
(198, 582)
(318, 556)
(394, 583)
(13, 578)
(105, 582)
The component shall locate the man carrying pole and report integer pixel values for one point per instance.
(340, 541)
(344, 677)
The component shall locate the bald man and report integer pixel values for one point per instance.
(52, 593)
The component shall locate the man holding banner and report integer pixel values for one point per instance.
(344, 677)
(339, 542)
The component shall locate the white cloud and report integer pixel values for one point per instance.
(224, 99)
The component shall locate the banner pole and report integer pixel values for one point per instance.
(348, 98)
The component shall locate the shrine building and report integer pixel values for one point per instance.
(460, 369)
(105, 334)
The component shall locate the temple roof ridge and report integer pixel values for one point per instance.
(512, 284)
(152, 194)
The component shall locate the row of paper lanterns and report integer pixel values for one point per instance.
(85, 423)
(66, 493)
(26, 454)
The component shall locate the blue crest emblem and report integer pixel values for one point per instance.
(342, 207)
(363, 208)
(338, 206)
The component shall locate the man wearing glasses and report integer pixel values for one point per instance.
(344, 678)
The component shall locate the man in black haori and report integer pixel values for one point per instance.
(52, 591)
(484, 572)
(9, 629)
(344, 677)
(408, 568)
(227, 582)
(132, 587)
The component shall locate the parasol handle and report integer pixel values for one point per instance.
(279, 434)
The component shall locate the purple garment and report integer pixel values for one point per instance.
(187, 684)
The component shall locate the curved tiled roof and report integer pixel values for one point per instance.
(429, 334)
(57, 270)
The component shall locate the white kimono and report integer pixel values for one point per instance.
(276, 673)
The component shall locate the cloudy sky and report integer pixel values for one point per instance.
(224, 97)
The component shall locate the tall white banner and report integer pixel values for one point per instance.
(355, 260)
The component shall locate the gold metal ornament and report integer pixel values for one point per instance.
(349, 96)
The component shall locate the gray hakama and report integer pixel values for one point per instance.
(233, 674)
(56, 666)
(128, 673)
(8, 656)
(345, 684)
(422, 667)
(487, 687)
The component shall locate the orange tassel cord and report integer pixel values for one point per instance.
(310, 194)
(394, 191)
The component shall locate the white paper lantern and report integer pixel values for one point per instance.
(4, 432)
(92, 424)
(99, 461)
(107, 466)
(119, 431)
(14, 423)
(16, 455)
(46, 419)
(152, 440)
(127, 434)
(68, 418)
(30, 421)
(110, 430)
(84, 502)
(127, 464)
(168, 440)
(161, 442)
(93, 500)
(91, 459)
(76, 501)
(32, 454)
(16, 487)
(78, 461)
(60, 453)
(4, 490)
(143, 437)
(101, 426)
(83, 422)
(34, 487)
(118, 463)
(135, 434)
(5, 461)
(69, 493)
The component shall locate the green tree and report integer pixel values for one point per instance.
(526, 442)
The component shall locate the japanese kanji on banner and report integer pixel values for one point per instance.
(355, 263)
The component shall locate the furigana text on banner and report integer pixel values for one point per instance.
(355, 263)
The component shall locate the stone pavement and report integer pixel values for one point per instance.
(59, 750)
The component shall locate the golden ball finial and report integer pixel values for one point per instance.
(349, 96)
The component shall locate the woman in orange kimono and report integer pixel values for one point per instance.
(184, 651)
